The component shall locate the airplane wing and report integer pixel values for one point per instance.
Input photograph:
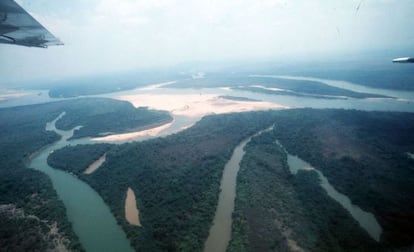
(403, 60)
(18, 27)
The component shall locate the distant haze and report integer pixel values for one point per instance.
(111, 35)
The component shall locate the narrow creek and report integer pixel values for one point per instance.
(220, 232)
(366, 220)
(91, 218)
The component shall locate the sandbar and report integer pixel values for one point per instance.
(131, 210)
(95, 165)
(132, 135)
(196, 105)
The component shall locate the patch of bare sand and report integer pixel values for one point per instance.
(192, 105)
(131, 210)
(95, 165)
(132, 135)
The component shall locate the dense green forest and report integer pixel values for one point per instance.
(175, 179)
(290, 87)
(77, 158)
(364, 155)
(29, 205)
(29, 192)
(99, 116)
(277, 211)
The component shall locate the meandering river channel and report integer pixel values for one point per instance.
(366, 220)
(97, 228)
(220, 232)
(91, 218)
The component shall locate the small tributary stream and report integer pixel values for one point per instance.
(220, 232)
(365, 219)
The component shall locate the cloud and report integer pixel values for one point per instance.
(110, 35)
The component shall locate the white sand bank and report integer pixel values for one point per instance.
(132, 135)
(192, 105)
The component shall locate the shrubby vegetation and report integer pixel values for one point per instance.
(363, 154)
(277, 211)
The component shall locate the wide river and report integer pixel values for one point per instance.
(93, 222)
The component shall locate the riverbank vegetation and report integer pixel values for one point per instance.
(175, 179)
(102, 116)
(363, 155)
(277, 211)
(28, 203)
(76, 159)
(274, 86)
(29, 206)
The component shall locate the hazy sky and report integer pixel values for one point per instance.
(115, 35)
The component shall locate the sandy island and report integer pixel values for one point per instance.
(95, 165)
(192, 105)
(132, 135)
(131, 210)
(188, 105)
